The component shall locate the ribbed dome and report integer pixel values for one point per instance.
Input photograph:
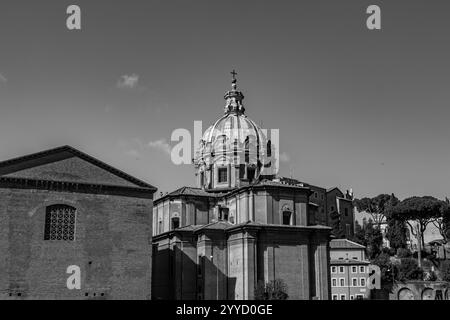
(234, 140)
(234, 126)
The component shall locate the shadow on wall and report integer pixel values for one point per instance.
(177, 276)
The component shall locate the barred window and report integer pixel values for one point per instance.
(60, 223)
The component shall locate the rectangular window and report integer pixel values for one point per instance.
(362, 269)
(359, 296)
(59, 223)
(354, 269)
(333, 269)
(352, 297)
(250, 174)
(222, 175)
(343, 297)
(223, 214)
(335, 297)
(287, 218)
(315, 195)
(202, 179)
(334, 282)
(341, 282)
(175, 223)
(341, 269)
(354, 282)
(362, 282)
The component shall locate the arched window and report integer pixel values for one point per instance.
(269, 149)
(247, 149)
(60, 223)
(224, 145)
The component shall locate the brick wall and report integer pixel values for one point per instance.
(112, 247)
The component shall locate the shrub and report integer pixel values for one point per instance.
(445, 270)
(408, 269)
(403, 253)
(273, 290)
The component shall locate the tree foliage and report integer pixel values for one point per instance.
(384, 262)
(396, 233)
(370, 237)
(408, 269)
(273, 290)
(359, 235)
(376, 206)
(422, 210)
(373, 240)
(445, 270)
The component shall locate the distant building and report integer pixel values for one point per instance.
(349, 270)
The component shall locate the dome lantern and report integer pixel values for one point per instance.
(234, 97)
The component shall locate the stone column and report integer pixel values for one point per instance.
(249, 265)
(321, 252)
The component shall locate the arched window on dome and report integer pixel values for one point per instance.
(247, 149)
(60, 222)
(224, 145)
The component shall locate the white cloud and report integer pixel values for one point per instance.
(128, 81)
(160, 144)
(3, 79)
(284, 157)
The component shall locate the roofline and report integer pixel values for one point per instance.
(175, 196)
(357, 244)
(264, 186)
(348, 262)
(340, 198)
(82, 155)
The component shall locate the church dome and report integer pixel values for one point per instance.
(230, 128)
(234, 140)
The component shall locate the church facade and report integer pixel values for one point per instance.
(243, 224)
(64, 213)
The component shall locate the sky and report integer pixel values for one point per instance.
(356, 108)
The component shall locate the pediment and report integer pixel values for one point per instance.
(68, 165)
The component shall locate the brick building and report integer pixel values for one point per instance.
(61, 208)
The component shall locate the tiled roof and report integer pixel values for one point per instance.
(267, 182)
(345, 244)
(219, 225)
(191, 191)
